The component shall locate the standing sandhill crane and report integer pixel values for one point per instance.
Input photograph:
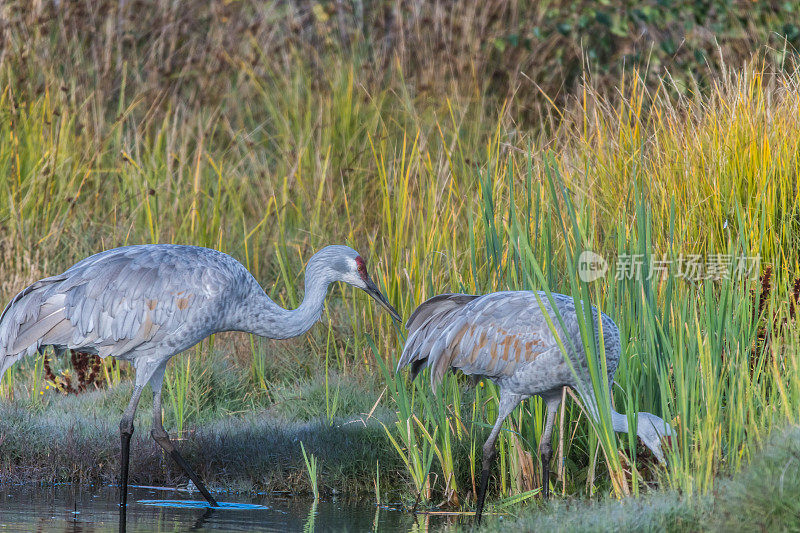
(148, 303)
(505, 337)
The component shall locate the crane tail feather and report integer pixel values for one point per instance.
(28, 319)
(34, 333)
(425, 345)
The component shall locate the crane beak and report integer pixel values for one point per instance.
(373, 291)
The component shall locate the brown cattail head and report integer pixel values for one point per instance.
(794, 300)
(766, 286)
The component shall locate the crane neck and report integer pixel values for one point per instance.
(619, 421)
(268, 319)
(650, 428)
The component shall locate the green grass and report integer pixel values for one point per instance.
(72, 438)
(311, 468)
(760, 498)
(292, 145)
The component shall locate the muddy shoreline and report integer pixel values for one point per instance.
(254, 452)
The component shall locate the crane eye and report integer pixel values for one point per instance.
(362, 267)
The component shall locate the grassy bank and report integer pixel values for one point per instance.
(761, 497)
(121, 134)
(236, 440)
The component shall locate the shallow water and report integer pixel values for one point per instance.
(94, 509)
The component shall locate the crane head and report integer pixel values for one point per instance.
(348, 266)
(370, 288)
(654, 432)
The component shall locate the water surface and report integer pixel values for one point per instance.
(94, 509)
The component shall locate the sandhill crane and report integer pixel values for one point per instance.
(148, 303)
(505, 337)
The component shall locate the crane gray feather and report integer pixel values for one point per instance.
(501, 335)
(148, 303)
(515, 339)
(115, 301)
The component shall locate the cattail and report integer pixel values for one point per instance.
(795, 298)
(766, 279)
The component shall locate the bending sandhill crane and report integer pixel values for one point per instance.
(505, 337)
(148, 303)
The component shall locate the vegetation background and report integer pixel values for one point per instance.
(460, 147)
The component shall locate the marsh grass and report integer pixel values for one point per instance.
(67, 440)
(311, 468)
(762, 496)
(440, 194)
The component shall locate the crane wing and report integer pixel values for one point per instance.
(420, 325)
(488, 335)
(493, 335)
(436, 306)
(110, 303)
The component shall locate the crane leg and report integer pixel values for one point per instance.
(508, 402)
(162, 438)
(125, 433)
(546, 444)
